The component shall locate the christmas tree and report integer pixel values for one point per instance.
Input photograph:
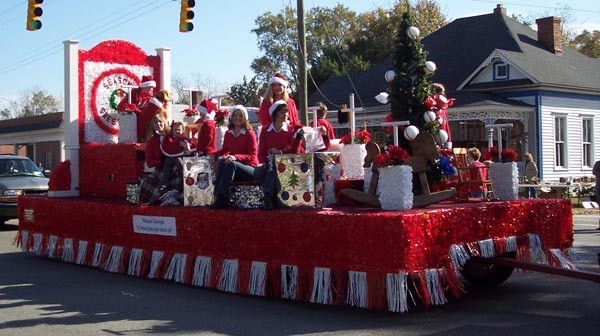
(410, 79)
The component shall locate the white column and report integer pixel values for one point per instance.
(165, 72)
(71, 124)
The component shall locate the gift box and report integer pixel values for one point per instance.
(331, 171)
(301, 179)
(198, 181)
(246, 196)
(133, 192)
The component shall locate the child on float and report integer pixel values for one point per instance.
(442, 104)
(237, 158)
(478, 171)
(277, 90)
(207, 128)
(174, 146)
(277, 138)
(325, 127)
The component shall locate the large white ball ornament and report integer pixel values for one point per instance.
(441, 137)
(430, 67)
(429, 116)
(411, 132)
(413, 32)
(390, 75)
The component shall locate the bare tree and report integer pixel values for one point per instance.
(32, 102)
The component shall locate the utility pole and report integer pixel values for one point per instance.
(302, 88)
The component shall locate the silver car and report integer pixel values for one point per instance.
(18, 176)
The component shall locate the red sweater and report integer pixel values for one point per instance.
(206, 138)
(171, 146)
(154, 155)
(283, 140)
(243, 147)
(265, 117)
(477, 172)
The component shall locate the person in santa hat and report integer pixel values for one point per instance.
(206, 134)
(141, 95)
(156, 105)
(277, 90)
(278, 138)
(237, 158)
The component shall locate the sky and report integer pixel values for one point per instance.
(219, 49)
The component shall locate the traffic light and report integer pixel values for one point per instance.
(34, 11)
(186, 15)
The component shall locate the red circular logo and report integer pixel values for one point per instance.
(105, 117)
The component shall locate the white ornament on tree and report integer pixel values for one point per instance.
(441, 137)
(413, 32)
(411, 132)
(429, 116)
(390, 75)
(430, 67)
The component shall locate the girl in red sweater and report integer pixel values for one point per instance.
(206, 135)
(277, 90)
(278, 138)
(237, 158)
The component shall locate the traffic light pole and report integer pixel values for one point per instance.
(302, 88)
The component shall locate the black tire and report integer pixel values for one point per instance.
(478, 271)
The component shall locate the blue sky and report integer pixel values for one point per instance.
(219, 49)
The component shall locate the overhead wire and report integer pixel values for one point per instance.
(95, 32)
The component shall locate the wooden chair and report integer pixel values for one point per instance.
(465, 181)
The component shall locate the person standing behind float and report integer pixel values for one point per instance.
(278, 138)
(596, 172)
(150, 187)
(277, 90)
(141, 95)
(156, 105)
(477, 172)
(325, 126)
(206, 134)
(237, 158)
(531, 175)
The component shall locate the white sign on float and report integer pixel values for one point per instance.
(155, 225)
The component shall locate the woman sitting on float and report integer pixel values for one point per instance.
(237, 158)
(278, 138)
(150, 188)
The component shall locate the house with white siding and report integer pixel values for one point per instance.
(503, 72)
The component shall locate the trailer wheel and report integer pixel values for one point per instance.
(479, 271)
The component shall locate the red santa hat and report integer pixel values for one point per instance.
(278, 78)
(274, 107)
(206, 107)
(241, 108)
(147, 81)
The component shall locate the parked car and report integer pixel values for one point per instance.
(18, 176)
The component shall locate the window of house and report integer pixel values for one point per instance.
(586, 140)
(560, 137)
(500, 70)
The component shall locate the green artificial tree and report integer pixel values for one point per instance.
(411, 83)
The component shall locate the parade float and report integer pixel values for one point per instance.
(323, 248)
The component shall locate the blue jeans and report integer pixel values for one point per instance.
(267, 178)
(531, 192)
(229, 172)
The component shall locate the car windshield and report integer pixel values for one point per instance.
(18, 167)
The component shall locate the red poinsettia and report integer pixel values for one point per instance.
(360, 137)
(490, 154)
(190, 112)
(509, 155)
(130, 108)
(220, 117)
(391, 156)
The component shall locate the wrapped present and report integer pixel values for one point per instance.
(198, 181)
(133, 192)
(246, 196)
(331, 171)
(300, 179)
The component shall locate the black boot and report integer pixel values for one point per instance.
(268, 202)
(221, 202)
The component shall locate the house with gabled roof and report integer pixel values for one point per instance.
(503, 72)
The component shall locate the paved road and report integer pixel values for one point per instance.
(39, 296)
